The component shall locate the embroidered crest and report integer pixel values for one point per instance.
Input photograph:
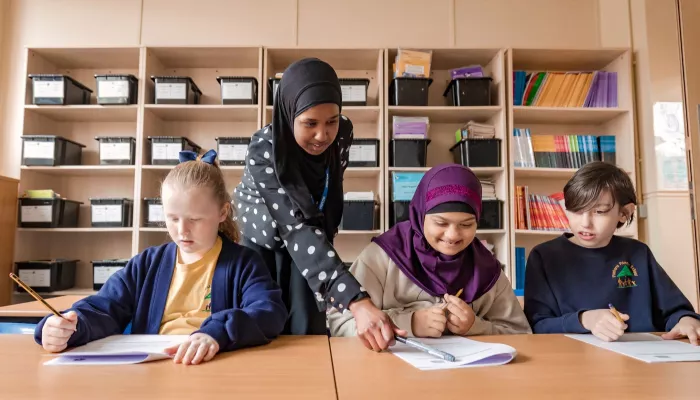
(625, 272)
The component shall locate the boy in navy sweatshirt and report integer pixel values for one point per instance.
(571, 280)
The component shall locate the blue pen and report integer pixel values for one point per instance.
(425, 348)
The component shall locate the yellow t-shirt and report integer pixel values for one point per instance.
(189, 298)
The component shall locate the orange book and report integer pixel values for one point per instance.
(575, 92)
(584, 90)
(566, 88)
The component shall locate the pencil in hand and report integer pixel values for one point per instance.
(35, 295)
(614, 312)
(444, 306)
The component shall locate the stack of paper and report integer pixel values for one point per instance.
(410, 127)
(646, 347)
(469, 353)
(359, 196)
(120, 349)
(474, 130)
(488, 190)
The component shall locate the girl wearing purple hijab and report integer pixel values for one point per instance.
(414, 270)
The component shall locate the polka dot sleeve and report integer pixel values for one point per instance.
(308, 246)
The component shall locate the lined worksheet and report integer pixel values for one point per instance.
(646, 347)
(469, 353)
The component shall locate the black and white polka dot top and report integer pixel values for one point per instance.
(266, 216)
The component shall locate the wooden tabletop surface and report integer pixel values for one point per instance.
(291, 367)
(546, 367)
(36, 309)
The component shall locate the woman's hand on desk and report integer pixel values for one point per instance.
(57, 331)
(460, 317)
(198, 348)
(374, 328)
(686, 327)
(429, 322)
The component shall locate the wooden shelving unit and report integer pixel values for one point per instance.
(617, 121)
(204, 122)
(445, 119)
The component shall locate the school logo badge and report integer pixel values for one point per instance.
(625, 272)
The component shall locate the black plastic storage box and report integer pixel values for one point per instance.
(359, 215)
(406, 91)
(400, 211)
(117, 150)
(117, 89)
(51, 151)
(111, 212)
(491, 215)
(472, 91)
(354, 91)
(238, 89)
(103, 269)
(153, 215)
(272, 84)
(477, 152)
(165, 150)
(55, 89)
(175, 90)
(364, 153)
(47, 275)
(232, 150)
(409, 152)
(48, 213)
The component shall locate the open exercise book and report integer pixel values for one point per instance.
(119, 349)
(646, 347)
(469, 353)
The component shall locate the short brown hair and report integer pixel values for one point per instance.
(585, 187)
(198, 173)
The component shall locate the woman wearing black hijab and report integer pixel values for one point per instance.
(290, 202)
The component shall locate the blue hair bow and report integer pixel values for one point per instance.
(209, 157)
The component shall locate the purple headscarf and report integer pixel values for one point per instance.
(474, 269)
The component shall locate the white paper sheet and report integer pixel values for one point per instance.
(120, 349)
(469, 353)
(646, 347)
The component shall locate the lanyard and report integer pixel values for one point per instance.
(325, 192)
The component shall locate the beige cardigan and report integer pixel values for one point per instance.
(497, 311)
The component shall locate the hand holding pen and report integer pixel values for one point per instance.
(606, 324)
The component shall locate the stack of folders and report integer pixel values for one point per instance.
(474, 130)
(410, 127)
(412, 63)
(565, 89)
(470, 71)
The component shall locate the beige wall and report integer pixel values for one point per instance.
(389, 23)
(668, 229)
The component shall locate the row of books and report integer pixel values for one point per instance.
(565, 89)
(561, 151)
(539, 212)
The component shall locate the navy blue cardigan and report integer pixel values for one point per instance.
(246, 304)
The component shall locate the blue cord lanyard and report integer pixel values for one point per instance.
(325, 192)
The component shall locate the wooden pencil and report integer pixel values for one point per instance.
(35, 295)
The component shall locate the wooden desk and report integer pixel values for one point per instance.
(291, 367)
(547, 367)
(33, 311)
